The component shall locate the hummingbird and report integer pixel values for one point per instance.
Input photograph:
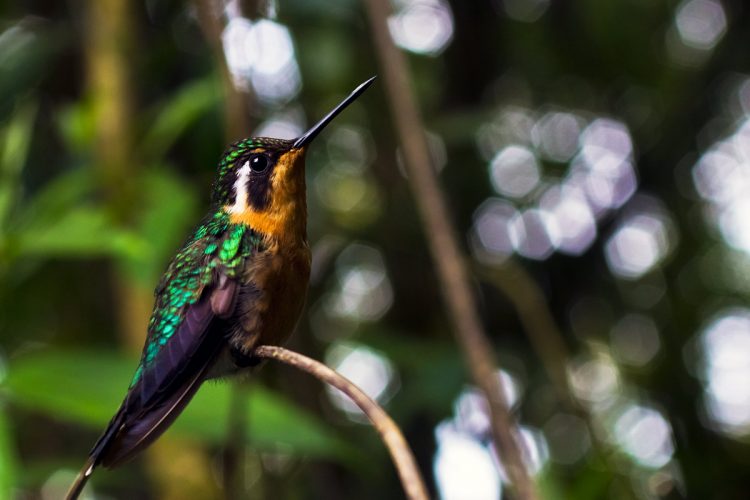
(238, 282)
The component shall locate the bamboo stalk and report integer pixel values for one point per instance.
(110, 45)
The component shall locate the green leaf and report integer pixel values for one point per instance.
(175, 115)
(167, 207)
(594, 481)
(55, 223)
(14, 149)
(8, 466)
(87, 387)
(81, 231)
(16, 140)
(26, 48)
(77, 125)
(58, 195)
(549, 485)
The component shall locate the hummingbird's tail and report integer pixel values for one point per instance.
(83, 476)
(163, 389)
(123, 438)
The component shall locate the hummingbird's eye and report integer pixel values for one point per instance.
(259, 163)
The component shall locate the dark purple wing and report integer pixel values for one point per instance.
(169, 382)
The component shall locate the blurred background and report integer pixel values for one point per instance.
(596, 158)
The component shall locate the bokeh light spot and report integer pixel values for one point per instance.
(514, 171)
(526, 11)
(726, 371)
(722, 178)
(700, 23)
(464, 468)
(261, 55)
(528, 233)
(370, 370)
(635, 339)
(645, 435)
(422, 26)
(556, 134)
(568, 438)
(594, 380)
(364, 292)
(570, 222)
(491, 240)
(512, 125)
(640, 242)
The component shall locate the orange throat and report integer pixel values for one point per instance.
(287, 224)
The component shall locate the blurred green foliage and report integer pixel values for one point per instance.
(8, 465)
(91, 393)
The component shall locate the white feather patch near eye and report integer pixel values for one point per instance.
(240, 189)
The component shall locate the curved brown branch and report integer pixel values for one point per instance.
(444, 246)
(394, 440)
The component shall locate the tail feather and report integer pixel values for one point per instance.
(163, 390)
(134, 436)
(125, 437)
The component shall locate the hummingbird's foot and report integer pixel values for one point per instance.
(242, 359)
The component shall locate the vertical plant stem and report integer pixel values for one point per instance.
(402, 456)
(236, 104)
(109, 38)
(232, 455)
(443, 243)
(529, 302)
(547, 341)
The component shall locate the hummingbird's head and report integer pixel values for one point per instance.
(261, 181)
(253, 169)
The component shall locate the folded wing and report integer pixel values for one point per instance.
(170, 379)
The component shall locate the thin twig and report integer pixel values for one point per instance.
(530, 305)
(444, 246)
(547, 341)
(394, 440)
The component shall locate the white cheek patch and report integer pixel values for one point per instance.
(240, 189)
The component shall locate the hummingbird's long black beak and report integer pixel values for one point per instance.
(308, 136)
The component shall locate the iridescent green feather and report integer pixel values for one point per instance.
(216, 243)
